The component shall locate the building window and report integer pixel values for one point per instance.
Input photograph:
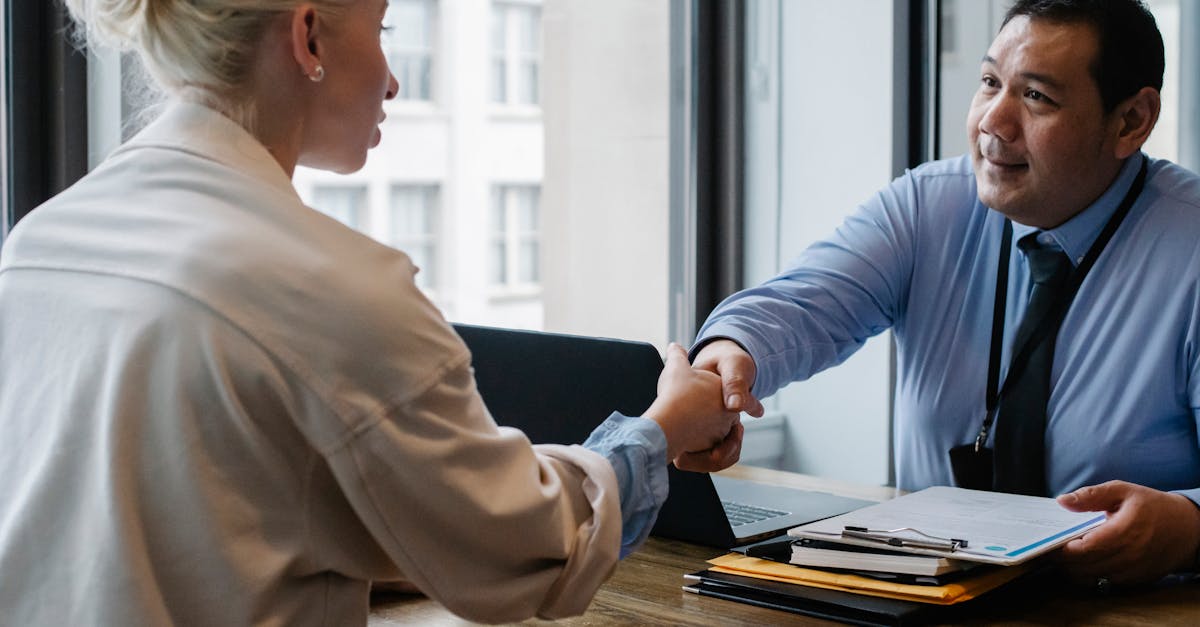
(516, 53)
(409, 45)
(414, 218)
(344, 203)
(515, 236)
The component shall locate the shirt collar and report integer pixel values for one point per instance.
(1075, 236)
(197, 129)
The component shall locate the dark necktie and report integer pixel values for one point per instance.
(1020, 460)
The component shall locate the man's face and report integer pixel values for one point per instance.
(1042, 147)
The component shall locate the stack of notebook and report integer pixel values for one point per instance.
(905, 561)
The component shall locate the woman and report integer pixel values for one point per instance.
(222, 407)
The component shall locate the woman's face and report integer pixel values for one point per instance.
(349, 105)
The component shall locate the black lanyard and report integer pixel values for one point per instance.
(1053, 317)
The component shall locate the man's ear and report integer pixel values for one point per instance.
(1133, 119)
(305, 29)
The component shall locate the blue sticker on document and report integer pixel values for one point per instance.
(996, 548)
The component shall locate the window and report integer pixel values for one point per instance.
(516, 53)
(4, 150)
(565, 209)
(414, 216)
(409, 45)
(344, 203)
(515, 236)
(810, 160)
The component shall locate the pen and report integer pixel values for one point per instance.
(886, 536)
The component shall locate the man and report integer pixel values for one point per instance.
(1069, 92)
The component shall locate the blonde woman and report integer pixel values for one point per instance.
(220, 407)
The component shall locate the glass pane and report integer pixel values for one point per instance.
(409, 22)
(412, 73)
(4, 209)
(499, 263)
(499, 211)
(412, 212)
(529, 30)
(529, 262)
(499, 80)
(422, 258)
(527, 211)
(818, 144)
(529, 83)
(345, 204)
(409, 47)
(1164, 141)
(499, 34)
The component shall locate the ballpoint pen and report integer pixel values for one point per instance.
(888, 537)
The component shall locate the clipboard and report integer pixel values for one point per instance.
(972, 525)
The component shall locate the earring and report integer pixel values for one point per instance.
(317, 75)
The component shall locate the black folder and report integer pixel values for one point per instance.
(846, 607)
(1024, 594)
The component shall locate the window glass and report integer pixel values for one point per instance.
(516, 53)
(818, 144)
(346, 204)
(499, 260)
(529, 54)
(515, 237)
(499, 69)
(409, 45)
(414, 218)
(4, 69)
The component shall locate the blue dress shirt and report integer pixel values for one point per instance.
(637, 450)
(921, 258)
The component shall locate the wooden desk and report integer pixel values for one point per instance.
(646, 590)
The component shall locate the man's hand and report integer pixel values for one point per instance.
(719, 457)
(1149, 534)
(737, 371)
(700, 432)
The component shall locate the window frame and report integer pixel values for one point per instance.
(46, 104)
(5, 68)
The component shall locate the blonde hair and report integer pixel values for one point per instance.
(196, 49)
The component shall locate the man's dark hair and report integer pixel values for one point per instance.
(1131, 48)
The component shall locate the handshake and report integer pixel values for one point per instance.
(699, 405)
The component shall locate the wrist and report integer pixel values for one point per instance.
(1190, 558)
(655, 415)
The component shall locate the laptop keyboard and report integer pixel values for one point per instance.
(743, 514)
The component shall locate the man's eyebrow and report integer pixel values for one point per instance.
(1032, 76)
(1042, 78)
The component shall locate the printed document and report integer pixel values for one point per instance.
(997, 528)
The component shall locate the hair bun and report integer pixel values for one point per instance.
(118, 24)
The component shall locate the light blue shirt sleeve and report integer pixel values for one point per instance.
(637, 450)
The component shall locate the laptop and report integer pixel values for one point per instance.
(557, 388)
